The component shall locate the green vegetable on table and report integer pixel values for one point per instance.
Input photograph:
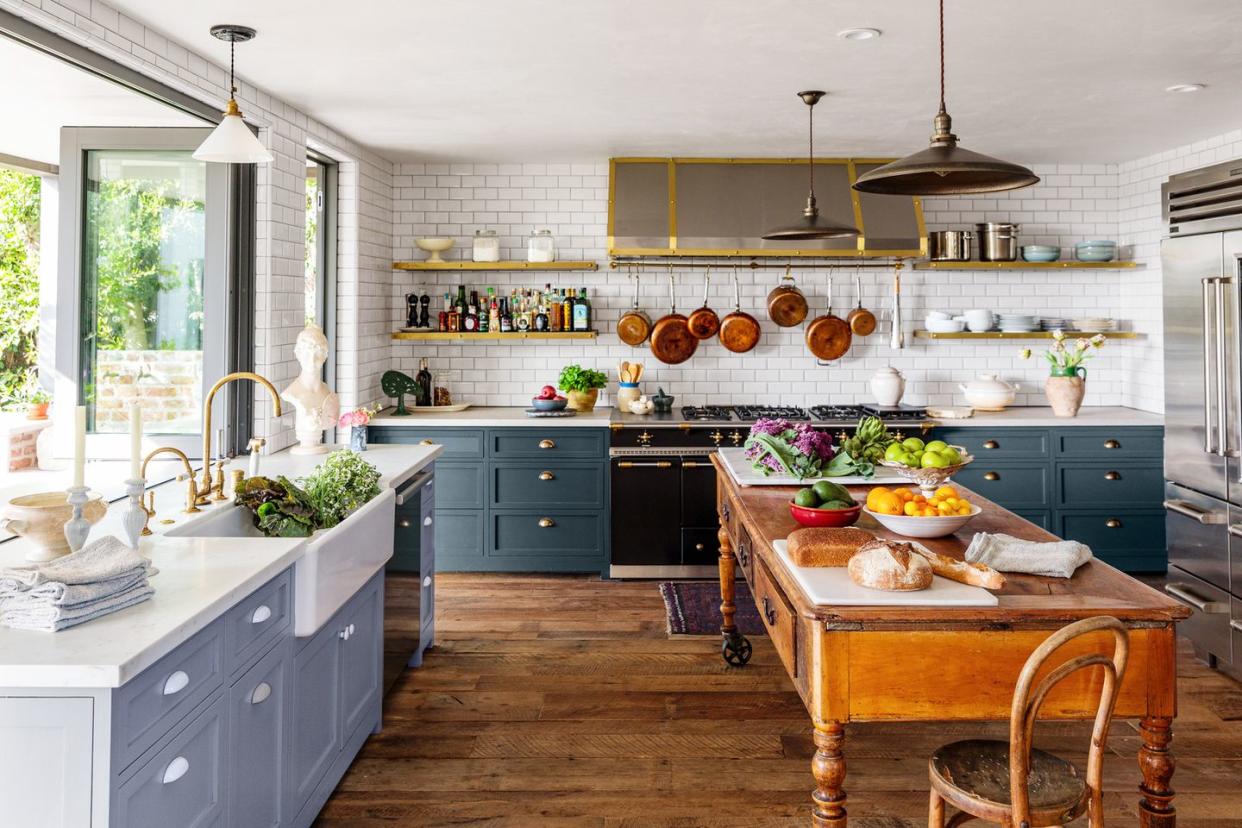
(858, 454)
(281, 509)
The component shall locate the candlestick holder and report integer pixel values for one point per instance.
(77, 527)
(135, 518)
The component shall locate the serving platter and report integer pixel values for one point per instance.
(744, 474)
(437, 409)
(831, 586)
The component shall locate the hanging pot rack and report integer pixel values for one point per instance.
(664, 262)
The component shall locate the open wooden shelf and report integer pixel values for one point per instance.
(1068, 264)
(495, 266)
(1026, 335)
(450, 336)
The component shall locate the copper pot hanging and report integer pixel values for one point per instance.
(704, 323)
(828, 337)
(634, 326)
(786, 304)
(862, 321)
(671, 340)
(739, 331)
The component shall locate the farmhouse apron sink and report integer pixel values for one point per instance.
(337, 562)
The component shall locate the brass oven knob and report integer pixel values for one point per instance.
(736, 437)
(546, 444)
(1113, 523)
(991, 444)
(842, 436)
(547, 475)
(1112, 475)
(991, 476)
(546, 523)
(644, 439)
(716, 436)
(1112, 444)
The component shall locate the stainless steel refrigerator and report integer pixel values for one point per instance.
(1201, 259)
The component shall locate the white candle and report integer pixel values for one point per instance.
(135, 441)
(79, 446)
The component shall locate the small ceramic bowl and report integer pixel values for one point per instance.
(825, 517)
(924, 527)
(1095, 254)
(435, 246)
(548, 405)
(1040, 253)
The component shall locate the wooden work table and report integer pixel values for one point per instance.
(915, 663)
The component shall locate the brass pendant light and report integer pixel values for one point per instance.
(944, 168)
(811, 226)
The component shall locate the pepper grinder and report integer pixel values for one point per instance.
(411, 310)
(424, 319)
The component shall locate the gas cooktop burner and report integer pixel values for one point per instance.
(892, 413)
(750, 413)
(836, 412)
(707, 413)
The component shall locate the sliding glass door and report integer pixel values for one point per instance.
(143, 293)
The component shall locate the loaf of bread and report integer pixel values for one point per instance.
(825, 546)
(975, 574)
(890, 565)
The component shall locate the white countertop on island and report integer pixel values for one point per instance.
(1042, 417)
(486, 416)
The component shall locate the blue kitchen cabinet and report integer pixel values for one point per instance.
(519, 499)
(1100, 485)
(258, 730)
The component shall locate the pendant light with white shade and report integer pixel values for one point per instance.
(232, 142)
(944, 168)
(811, 226)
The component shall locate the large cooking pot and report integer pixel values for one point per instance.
(671, 340)
(786, 305)
(703, 322)
(998, 241)
(828, 337)
(739, 331)
(634, 326)
(948, 246)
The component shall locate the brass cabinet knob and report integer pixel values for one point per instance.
(546, 444)
(546, 523)
(1113, 523)
(1112, 475)
(991, 476)
(404, 523)
(698, 547)
(991, 444)
(644, 439)
(1112, 444)
(547, 475)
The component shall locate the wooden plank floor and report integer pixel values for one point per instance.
(560, 701)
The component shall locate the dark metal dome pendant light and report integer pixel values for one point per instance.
(944, 168)
(811, 226)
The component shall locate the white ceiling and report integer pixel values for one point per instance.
(1057, 80)
(48, 93)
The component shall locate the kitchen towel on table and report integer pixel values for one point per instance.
(100, 561)
(1056, 559)
(43, 616)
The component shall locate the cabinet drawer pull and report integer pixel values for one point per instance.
(698, 547)
(176, 769)
(425, 443)
(1201, 604)
(350, 629)
(768, 612)
(991, 444)
(659, 464)
(547, 444)
(175, 683)
(262, 613)
(1113, 523)
(427, 581)
(991, 476)
(1236, 625)
(1112, 475)
(427, 520)
(261, 693)
(546, 523)
(546, 475)
(404, 523)
(1112, 444)
(1203, 516)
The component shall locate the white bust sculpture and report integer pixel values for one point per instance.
(315, 405)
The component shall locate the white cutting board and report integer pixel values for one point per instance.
(831, 586)
(744, 474)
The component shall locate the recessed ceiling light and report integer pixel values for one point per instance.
(1186, 87)
(859, 34)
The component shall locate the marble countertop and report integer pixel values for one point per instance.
(494, 416)
(1042, 417)
(199, 578)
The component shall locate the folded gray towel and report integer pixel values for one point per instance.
(64, 595)
(98, 561)
(1056, 559)
(42, 616)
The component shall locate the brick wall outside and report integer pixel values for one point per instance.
(168, 383)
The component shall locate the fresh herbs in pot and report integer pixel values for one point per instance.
(787, 448)
(577, 378)
(281, 509)
(340, 486)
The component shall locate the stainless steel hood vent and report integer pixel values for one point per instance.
(1204, 201)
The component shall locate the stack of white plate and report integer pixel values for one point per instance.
(1017, 322)
(1095, 323)
(1054, 323)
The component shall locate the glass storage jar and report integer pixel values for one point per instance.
(441, 395)
(541, 247)
(486, 246)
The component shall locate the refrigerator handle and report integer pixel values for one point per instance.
(1222, 375)
(1193, 512)
(1208, 425)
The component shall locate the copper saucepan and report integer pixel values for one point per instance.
(828, 337)
(786, 305)
(739, 331)
(862, 321)
(634, 326)
(704, 323)
(671, 340)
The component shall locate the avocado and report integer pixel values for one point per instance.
(806, 498)
(837, 504)
(827, 490)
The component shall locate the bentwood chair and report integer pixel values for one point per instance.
(1014, 784)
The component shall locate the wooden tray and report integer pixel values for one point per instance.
(744, 475)
(436, 409)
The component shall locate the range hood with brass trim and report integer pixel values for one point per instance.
(723, 206)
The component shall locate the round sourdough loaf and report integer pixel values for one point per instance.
(890, 565)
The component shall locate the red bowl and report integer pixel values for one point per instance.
(825, 517)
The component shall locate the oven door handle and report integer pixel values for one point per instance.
(1201, 516)
(1201, 604)
(661, 464)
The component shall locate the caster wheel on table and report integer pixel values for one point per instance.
(736, 651)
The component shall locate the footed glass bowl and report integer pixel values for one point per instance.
(931, 478)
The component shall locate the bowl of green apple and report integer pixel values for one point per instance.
(927, 465)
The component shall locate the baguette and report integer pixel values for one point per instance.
(974, 574)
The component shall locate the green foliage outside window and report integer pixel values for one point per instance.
(19, 286)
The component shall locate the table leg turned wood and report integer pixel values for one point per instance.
(735, 649)
(828, 767)
(1156, 763)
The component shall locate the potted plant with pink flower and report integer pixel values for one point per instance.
(1067, 376)
(357, 421)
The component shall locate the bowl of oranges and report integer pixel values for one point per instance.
(913, 514)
